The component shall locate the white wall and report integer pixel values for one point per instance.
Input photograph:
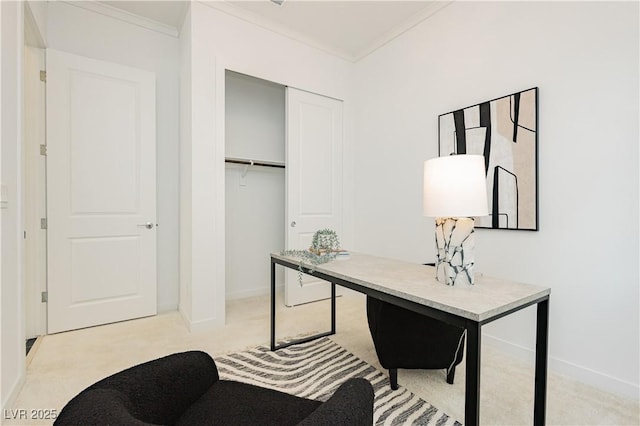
(185, 168)
(38, 11)
(12, 343)
(254, 118)
(584, 58)
(254, 196)
(202, 301)
(82, 32)
(2, 313)
(218, 42)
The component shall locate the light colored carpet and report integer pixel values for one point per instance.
(66, 363)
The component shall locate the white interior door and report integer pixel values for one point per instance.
(314, 181)
(101, 192)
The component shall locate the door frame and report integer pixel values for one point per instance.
(346, 238)
(120, 241)
(34, 193)
(202, 273)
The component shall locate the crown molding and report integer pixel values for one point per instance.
(270, 25)
(430, 10)
(123, 15)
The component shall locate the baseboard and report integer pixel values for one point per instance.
(13, 395)
(201, 325)
(167, 308)
(568, 369)
(252, 292)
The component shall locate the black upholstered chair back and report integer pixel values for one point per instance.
(185, 389)
(405, 339)
(156, 392)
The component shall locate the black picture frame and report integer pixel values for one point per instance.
(505, 131)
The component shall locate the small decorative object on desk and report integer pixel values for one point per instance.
(325, 246)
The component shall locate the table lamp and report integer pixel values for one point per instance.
(455, 190)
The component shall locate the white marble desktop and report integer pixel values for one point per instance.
(487, 299)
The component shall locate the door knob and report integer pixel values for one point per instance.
(293, 224)
(147, 225)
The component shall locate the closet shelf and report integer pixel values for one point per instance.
(254, 162)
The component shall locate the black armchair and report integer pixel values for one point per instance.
(185, 389)
(405, 339)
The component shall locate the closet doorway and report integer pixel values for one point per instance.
(283, 181)
(254, 194)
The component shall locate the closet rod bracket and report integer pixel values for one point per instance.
(246, 168)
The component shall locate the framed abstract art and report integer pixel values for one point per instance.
(505, 132)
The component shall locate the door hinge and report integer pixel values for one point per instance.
(43, 223)
(43, 149)
(44, 296)
(43, 76)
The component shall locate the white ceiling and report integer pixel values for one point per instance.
(349, 29)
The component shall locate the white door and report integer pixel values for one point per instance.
(314, 181)
(101, 192)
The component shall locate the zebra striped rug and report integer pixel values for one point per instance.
(316, 369)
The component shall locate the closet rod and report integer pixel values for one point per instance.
(253, 163)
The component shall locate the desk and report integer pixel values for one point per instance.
(413, 286)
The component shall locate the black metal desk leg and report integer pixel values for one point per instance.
(273, 306)
(472, 383)
(333, 308)
(542, 343)
(291, 342)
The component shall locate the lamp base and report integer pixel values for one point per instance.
(455, 242)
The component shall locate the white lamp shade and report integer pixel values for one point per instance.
(455, 186)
